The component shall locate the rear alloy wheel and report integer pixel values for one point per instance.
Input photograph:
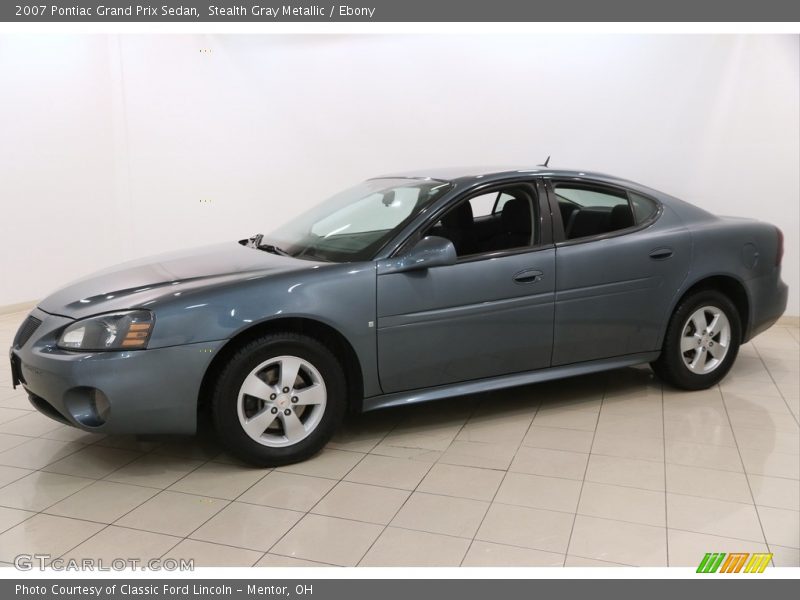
(705, 340)
(701, 342)
(279, 399)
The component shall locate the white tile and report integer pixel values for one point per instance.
(775, 492)
(389, 472)
(247, 526)
(781, 527)
(93, 461)
(154, 470)
(536, 491)
(12, 516)
(486, 554)
(141, 545)
(368, 503)
(205, 554)
(526, 527)
(39, 490)
(172, 513)
(459, 517)
(629, 446)
(405, 548)
(623, 504)
(553, 463)
(333, 464)
(463, 482)
(618, 542)
(772, 464)
(103, 501)
(9, 474)
(553, 438)
(479, 454)
(707, 456)
(708, 483)
(714, 517)
(219, 480)
(287, 490)
(687, 549)
(36, 453)
(329, 540)
(45, 534)
(631, 472)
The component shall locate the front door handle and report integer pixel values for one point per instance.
(661, 253)
(528, 276)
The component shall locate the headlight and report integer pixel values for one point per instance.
(128, 330)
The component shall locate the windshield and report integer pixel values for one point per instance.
(353, 225)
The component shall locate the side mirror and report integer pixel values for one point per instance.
(430, 251)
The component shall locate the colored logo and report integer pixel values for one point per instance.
(734, 562)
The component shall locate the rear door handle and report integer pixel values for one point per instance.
(661, 253)
(528, 276)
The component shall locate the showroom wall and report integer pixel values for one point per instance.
(115, 147)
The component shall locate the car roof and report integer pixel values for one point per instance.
(494, 173)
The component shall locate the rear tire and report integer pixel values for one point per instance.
(701, 342)
(279, 399)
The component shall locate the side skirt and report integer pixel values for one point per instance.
(506, 381)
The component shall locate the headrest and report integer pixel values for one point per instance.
(620, 218)
(460, 217)
(587, 221)
(516, 216)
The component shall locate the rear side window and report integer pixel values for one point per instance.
(643, 208)
(588, 210)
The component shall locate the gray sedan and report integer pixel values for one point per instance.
(403, 289)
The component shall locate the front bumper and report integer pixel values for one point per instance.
(142, 391)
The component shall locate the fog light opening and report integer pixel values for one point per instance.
(88, 406)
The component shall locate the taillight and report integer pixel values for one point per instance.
(779, 251)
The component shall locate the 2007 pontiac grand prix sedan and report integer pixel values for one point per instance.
(403, 289)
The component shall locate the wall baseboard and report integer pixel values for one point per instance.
(12, 308)
(789, 321)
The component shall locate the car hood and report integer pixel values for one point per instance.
(145, 281)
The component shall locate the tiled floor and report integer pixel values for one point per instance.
(606, 470)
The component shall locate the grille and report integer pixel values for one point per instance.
(25, 332)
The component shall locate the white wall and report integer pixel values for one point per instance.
(108, 144)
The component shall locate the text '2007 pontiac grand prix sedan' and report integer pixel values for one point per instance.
(403, 289)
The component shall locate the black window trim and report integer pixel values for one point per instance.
(544, 226)
(559, 229)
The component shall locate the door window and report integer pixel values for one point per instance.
(588, 211)
(490, 222)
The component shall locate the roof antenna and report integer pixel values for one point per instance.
(545, 162)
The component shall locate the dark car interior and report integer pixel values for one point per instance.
(587, 211)
(503, 219)
(508, 225)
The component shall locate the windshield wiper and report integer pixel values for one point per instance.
(274, 249)
(255, 242)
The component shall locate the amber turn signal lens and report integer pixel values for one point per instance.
(137, 335)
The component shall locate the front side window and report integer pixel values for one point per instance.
(356, 223)
(491, 222)
(588, 210)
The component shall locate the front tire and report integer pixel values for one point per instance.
(279, 399)
(701, 342)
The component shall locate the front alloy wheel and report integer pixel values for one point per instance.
(281, 401)
(278, 399)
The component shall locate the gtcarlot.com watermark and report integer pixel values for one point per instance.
(28, 562)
